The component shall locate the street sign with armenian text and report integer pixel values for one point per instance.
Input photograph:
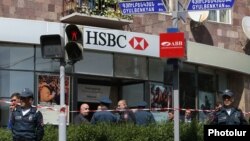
(142, 7)
(200, 5)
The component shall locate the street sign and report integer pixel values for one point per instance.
(199, 5)
(142, 7)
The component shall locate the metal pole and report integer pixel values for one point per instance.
(176, 102)
(176, 82)
(62, 115)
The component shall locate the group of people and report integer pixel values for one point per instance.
(224, 113)
(121, 115)
(26, 122)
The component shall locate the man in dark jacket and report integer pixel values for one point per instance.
(142, 116)
(125, 114)
(27, 121)
(104, 115)
(228, 114)
(81, 117)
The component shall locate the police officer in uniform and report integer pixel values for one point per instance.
(228, 114)
(103, 115)
(27, 121)
(142, 116)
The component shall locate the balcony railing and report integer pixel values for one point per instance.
(106, 8)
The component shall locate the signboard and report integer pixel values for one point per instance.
(142, 7)
(172, 45)
(120, 41)
(92, 93)
(49, 97)
(209, 4)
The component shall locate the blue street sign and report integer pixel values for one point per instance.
(199, 5)
(142, 7)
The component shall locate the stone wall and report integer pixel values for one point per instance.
(228, 36)
(48, 10)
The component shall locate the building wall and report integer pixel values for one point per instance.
(211, 33)
(48, 10)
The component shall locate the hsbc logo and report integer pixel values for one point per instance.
(175, 44)
(138, 43)
(118, 41)
(114, 40)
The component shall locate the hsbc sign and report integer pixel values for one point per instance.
(120, 41)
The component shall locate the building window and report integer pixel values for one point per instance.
(17, 57)
(130, 66)
(220, 16)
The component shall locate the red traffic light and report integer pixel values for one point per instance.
(73, 33)
(74, 48)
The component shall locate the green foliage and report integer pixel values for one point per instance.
(120, 132)
(5, 134)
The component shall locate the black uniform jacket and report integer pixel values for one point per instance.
(28, 126)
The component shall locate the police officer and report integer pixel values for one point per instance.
(103, 115)
(142, 116)
(228, 114)
(27, 121)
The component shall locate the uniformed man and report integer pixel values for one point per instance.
(103, 115)
(228, 114)
(27, 121)
(142, 116)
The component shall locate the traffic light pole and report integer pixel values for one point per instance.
(62, 115)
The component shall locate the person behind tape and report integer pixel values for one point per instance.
(228, 114)
(142, 116)
(104, 115)
(27, 121)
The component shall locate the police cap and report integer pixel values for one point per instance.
(142, 104)
(105, 100)
(26, 92)
(227, 92)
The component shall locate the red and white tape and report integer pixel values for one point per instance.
(64, 109)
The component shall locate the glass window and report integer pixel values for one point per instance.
(221, 16)
(206, 86)
(133, 93)
(130, 66)
(156, 69)
(187, 88)
(222, 80)
(16, 57)
(97, 63)
(206, 79)
(15, 81)
(10, 82)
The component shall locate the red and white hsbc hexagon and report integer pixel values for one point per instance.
(120, 41)
(172, 45)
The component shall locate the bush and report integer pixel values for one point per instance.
(120, 132)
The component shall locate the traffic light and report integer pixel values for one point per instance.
(52, 46)
(73, 47)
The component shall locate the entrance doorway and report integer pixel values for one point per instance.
(89, 89)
